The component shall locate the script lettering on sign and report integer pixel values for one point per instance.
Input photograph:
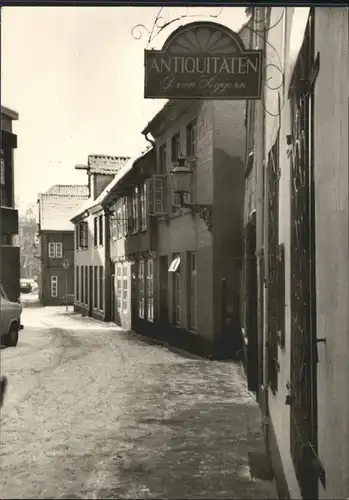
(203, 60)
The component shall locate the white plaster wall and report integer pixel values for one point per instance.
(278, 49)
(331, 191)
(91, 256)
(332, 249)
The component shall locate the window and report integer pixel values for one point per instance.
(191, 139)
(54, 286)
(77, 283)
(143, 206)
(125, 216)
(101, 289)
(59, 250)
(54, 250)
(158, 192)
(118, 286)
(86, 286)
(175, 147)
(162, 159)
(82, 284)
(118, 221)
(51, 250)
(2, 168)
(100, 225)
(124, 288)
(192, 291)
(95, 231)
(141, 289)
(83, 234)
(177, 296)
(113, 226)
(95, 287)
(135, 210)
(150, 290)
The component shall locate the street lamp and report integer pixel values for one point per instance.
(181, 177)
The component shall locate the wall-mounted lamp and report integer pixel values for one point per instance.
(181, 177)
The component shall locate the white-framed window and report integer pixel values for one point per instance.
(162, 159)
(83, 234)
(150, 290)
(143, 206)
(54, 286)
(125, 216)
(95, 231)
(95, 287)
(118, 221)
(55, 250)
(100, 230)
(59, 250)
(118, 286)
(192, 292)
(124, 287)
(175, 147)
(2, 168)
(77, 283)
(101, 288)
(86, 286)
(159, 183)
(135, 210)
(141, 289)
(191, 138)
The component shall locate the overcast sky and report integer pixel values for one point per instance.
(75, 76)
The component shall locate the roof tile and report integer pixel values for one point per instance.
(106, 164)
(56, 208)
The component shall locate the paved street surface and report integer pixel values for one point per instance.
(95, 412)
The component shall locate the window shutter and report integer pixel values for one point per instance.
(149, 199)
(159, 194)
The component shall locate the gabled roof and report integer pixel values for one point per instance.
(105, 164)
(91, 204)
(69, 189)
(56, 210)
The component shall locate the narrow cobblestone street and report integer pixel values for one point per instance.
(95, 412)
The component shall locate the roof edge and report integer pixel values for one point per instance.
(9, 112)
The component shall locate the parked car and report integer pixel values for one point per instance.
(25, 285)
(10, 320)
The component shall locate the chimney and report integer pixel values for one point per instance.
(81, 166)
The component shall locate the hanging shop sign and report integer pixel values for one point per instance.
(203, 60)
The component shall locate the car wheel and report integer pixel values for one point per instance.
(12, 337)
